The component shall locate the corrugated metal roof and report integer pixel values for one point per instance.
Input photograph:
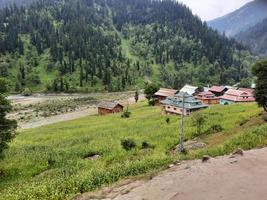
(238, 96)
(217, 88)
(165, 92)
(108, 105)
(206, 95)
(189, 89)
(247, 90)
(189, 102)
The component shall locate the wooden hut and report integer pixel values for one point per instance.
(162, 94)
(105, 108)
(207, 98)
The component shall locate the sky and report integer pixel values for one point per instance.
(211, 9)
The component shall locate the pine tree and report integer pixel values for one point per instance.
(7, 126)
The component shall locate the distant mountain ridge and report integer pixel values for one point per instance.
(255, 38)
(242, 19)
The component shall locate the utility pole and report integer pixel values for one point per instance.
(182, 127)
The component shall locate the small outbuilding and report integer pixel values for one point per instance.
(207, 98)
(105, 108)
(163, 93)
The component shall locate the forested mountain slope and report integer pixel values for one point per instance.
(88, 45)
(241, 19)
(255, 38)
(5, 3)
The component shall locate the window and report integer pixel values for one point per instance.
(169, 107)
(175, 108)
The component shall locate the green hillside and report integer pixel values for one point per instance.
(53, 162)
(97, 45)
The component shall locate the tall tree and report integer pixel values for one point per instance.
(7, 126)
(260, 71)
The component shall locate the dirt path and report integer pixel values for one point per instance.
(66, 116)
(58, 118)
(223, 178)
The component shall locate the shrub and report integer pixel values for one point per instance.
(168, 120)
(198, 120)
(151, 102)
(214, 129)
(27, 92)
(50, 161)
(147, 145)
(126, 114)
(150, 90)
(128, 144)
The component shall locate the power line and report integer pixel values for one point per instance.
(182, 126)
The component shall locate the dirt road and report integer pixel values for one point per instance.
(223, 178)
(58, 118)
(81, 112)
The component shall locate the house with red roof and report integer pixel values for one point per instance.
(236, 96)
(207, 98)
(247, 90)
(218, 90)
(162, 94)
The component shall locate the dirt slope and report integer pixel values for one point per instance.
(223, 178)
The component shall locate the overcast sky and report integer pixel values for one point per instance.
(211, 9)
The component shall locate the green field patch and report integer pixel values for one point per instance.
(49, 162)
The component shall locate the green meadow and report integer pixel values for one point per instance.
(52, 162)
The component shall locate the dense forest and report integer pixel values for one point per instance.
(113, 45)
(5, 3)
(255, 38)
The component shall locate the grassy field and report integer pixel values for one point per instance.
(50, 162)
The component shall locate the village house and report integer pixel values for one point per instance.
(174, 105)
(218, 90)
(207, 98)
(105, 108)
(191, 90)
(236, 96)
(250, 90)
(162, 94)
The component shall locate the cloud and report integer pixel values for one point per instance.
(210, 9)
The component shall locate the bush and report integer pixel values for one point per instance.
(214, 129)
(27, 92)
(151, 102)
(147, 145)
(150, 90)
(168, 120)
(128, 144)
(198, 121)
(50, 161)
(126, 114)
